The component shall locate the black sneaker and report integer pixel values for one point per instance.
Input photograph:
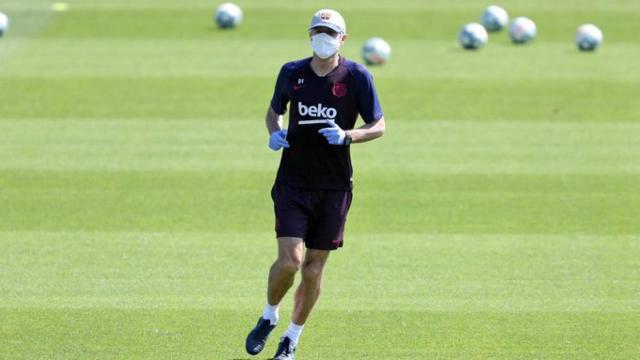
(258, 336)
(286, 350)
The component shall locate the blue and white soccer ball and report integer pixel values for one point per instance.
(228, 16)
(588, 37)
(522, 30)
(473, 36)
(494, 18)
(376, 51)
(4, 24)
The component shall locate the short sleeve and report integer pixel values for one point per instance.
(280, 97)
(368, 103)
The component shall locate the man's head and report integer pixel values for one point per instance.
(327, 32)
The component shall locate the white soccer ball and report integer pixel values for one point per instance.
(522, 30)
(473, 36)
(376, 51)
(495, 18)
(228, 15)
(4, 24)
(588, 37)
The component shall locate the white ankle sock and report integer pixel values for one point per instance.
(293, 333)
(271, 313)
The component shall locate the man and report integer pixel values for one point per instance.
(312, 191)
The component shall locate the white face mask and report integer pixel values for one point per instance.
(324, 45)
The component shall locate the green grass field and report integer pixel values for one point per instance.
(498, 218)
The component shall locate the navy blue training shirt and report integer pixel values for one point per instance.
(311, 162)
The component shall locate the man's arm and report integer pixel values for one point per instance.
(273, 121)
(367, 132)
(277, 135)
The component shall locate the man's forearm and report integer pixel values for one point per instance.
(273, 121)
(367, 132)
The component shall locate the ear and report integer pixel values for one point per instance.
(344, 38)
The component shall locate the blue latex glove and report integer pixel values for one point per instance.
(278, 140)
(333, 133)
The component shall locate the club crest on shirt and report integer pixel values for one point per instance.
(339, 89)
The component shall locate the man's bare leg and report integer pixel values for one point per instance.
(308, 291)
(281, 276)
(284, 269)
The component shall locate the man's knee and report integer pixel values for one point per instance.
(289, 255)
(312, 270)
(289, 264)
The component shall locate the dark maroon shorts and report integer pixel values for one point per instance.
(316, 216)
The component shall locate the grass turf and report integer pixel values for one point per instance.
(496, 219)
